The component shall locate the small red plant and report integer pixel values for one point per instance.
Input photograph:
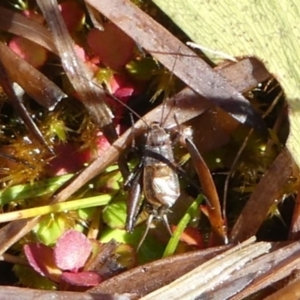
(64, 263)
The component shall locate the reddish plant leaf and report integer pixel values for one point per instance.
(72, 250)
(91, 62)
(121, 88)
(40, 257)
(113, 46)
(118, 83)
(81, 279)
(68, 160)
(102, 142)
(31, 52)
(191, 236)
(72, 14)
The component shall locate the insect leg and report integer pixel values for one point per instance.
(149, 222)
(134, 185)
(166, 222)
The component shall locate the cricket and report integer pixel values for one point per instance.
(157, 176)
(154, 184)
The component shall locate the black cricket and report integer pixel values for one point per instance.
(157, 176)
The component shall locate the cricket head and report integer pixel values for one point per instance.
(157, 135)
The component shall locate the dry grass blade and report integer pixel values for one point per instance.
(254, 276)
(95, 17)
(20, 25)
(37, 85)
(91, 95)
(14, 231)
(209, 189)
(215, 271)
(265, 193)
(16, 101)
(269, 269)
(290, 291)
(146, 278)
(13, 293)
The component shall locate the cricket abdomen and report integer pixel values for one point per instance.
(161, 186)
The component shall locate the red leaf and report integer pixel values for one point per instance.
(40, 257)
(68, 159)
(33, 53)
(72, 250)
(72, 14)
(120, 87)
(112, 45)
(81, 279)
(192, 237)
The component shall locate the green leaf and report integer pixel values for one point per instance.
(188, 216)
(150, 250)
(268, 30)
(114, 215)
(30, 190)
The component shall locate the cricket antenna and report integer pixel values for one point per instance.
(118, 101)
(126, 106)
(163, 118)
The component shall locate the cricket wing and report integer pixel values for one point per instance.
(164, 189)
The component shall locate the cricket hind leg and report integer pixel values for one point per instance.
(123, 158)
(185, 138)
(134, 203)
(133, 184)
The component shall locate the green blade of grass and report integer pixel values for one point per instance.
(174, 240)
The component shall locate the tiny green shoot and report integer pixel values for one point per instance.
(174, 240)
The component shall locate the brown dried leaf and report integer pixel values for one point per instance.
(266, 192)
(209, 189)
(13, 293)
(189, 67)
(149, 277)
(38, 86)
(20, 25)
(16, 100)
